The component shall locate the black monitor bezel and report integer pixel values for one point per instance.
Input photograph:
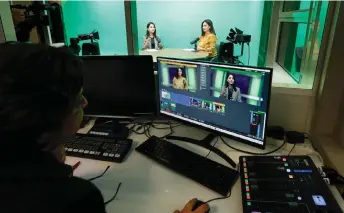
(211, 130)
(114, 115)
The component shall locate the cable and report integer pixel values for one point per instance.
(252, 153)
(107, 168)
(113, 197)
(220, 198)
(291, 149)
(249, 53)
(217, 139)
(148, 125)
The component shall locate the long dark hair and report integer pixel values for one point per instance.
(147, 32)
(210, 23)
(233, 85)
(179, 68)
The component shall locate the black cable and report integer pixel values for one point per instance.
(113, 197)
(148, 125)
(107, 168)
(220, 198)
(217, 139)
(249, 53)
(252, 153)
(291, 149)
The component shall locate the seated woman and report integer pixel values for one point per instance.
(179, 81)
(231, 91)
(207, 40)
(41, 104)
(151, 40)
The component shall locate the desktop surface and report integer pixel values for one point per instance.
(151, 187)
(204, 98)
(119, 85)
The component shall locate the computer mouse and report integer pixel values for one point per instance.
(197, 204)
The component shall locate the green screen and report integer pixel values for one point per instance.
(82, 17)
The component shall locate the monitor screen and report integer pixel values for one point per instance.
(232, 100)
(119, 85)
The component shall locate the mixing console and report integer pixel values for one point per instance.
(281, 184)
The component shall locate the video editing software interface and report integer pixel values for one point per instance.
(225, 98)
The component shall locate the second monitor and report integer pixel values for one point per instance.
(119, 85)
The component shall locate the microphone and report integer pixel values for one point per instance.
(153, 43)
(195, 41)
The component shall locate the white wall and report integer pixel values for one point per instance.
(291, 110)
(6, 17)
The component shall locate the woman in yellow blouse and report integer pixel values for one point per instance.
(207, 41)
(180, 82)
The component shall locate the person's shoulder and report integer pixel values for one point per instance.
(85, 194)
(238, 89)
(83, 185)
(212, 36)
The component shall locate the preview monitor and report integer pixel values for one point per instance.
(119, 86)
(228, 99)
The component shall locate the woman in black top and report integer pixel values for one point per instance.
(41, 103)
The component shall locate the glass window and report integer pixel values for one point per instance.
(179, 22)
(296, 5)
(106, 17)
(299, 39)
(291, 47)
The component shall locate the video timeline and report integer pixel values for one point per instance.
(169, 105)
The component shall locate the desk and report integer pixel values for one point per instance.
(148, 187)
(174, 53)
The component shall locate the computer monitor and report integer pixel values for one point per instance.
(119, 86)
(227, 99)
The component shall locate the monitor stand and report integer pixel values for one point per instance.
(205, 143)
(111, 127)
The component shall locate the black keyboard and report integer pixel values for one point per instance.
(98, 148)
(210, 174)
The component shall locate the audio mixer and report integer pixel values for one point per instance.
(284, 184)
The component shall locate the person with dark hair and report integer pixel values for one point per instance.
(231, 91)
(179, 81)
(41, 104)
(151, 40)
(207, 40)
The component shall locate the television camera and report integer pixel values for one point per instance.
(226, 50)
(91, 48)
(40, 15)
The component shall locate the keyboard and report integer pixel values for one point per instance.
(210, 174)
(98, 148)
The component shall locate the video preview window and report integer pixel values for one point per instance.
(236, 85)
(179, 76)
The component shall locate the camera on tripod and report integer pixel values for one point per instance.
(91, 48)
(238, 37)
(40, 15)
(226, 51)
